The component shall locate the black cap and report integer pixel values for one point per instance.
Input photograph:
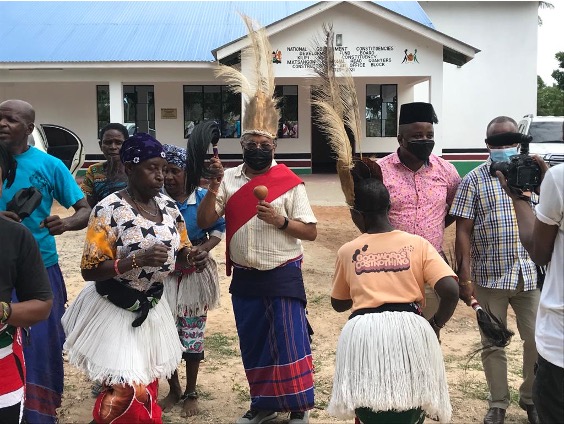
(417, 112)
(507, 139)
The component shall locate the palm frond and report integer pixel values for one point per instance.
(336, 107)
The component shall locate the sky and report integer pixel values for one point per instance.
(550, 40)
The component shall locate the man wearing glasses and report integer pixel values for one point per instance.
(264, 248)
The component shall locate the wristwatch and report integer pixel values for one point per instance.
(285, 225)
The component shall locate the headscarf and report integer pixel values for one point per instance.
(140, 147)
(8, 165)
(175, 155)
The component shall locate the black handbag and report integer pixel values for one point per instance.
(24, 202)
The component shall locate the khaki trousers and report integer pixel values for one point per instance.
(494, 361)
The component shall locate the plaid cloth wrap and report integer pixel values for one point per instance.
(276, 353)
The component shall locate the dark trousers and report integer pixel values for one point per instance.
(10, 414)
(548, 392)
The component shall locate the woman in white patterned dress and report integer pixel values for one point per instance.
(118, 330)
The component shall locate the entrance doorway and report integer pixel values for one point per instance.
(323, 160)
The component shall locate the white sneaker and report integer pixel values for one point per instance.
(253, 416)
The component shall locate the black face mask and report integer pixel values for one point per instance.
(421, 149)
(257, 159)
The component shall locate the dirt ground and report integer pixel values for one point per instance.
(222, 384)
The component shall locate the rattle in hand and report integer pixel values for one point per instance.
(260, 192)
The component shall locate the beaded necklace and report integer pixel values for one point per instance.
(153, 214)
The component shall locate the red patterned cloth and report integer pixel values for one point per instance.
(12, 366)
(122, 403)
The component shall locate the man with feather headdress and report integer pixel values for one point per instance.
(264, 250)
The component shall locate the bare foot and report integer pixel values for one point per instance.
(170, 400)
(190, 407)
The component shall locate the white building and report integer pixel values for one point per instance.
(83, 64)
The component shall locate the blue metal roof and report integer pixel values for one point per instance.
(131, 31)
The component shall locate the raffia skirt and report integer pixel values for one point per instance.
(193, 294)
(102, 342)
(389, 361)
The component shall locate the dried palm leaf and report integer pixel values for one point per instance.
(337, 112)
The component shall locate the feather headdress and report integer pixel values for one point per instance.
(337, 114)
(261, 114)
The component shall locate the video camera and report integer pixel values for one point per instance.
(521, 171)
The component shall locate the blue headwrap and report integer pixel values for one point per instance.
(175, 155)
(140, 147)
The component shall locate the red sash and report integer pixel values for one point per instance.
(242, 206)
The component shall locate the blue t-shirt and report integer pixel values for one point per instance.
(52, 178)
(189, 209)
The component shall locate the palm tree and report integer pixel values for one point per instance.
(544, 5)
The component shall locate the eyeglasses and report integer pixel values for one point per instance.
(265, 147)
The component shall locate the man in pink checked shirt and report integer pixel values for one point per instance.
(421, 185)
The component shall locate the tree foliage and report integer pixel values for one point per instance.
(550, 100)
(558, 75)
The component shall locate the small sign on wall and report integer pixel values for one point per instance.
(168, 113)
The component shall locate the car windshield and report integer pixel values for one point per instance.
(546, 132)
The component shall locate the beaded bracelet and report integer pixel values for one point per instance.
(433, 322)
(116, 269)
(188, 259)
(133, 262)
(6, 312)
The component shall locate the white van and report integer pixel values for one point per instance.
(548, 136)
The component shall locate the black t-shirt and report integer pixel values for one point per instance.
(21, 266)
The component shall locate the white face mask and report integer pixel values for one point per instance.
(503, 155)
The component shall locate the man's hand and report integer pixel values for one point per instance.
(267, 213)
(514, 194)
(11, 215)
(466, 291)
(503, 181)
(216, 170)
(154, 256)
(543, 167)
(54, 224)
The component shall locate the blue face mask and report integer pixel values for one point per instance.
(503, 155)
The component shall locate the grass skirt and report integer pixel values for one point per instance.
(195, 293)
(389, 361)
(102, 342)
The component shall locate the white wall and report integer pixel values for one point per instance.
(501, 79)
(68, 96)
(361, 29)
(69, 104)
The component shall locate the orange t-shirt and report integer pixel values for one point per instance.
(392, 267)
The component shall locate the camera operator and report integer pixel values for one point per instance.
(543, 237)
(501, 273)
